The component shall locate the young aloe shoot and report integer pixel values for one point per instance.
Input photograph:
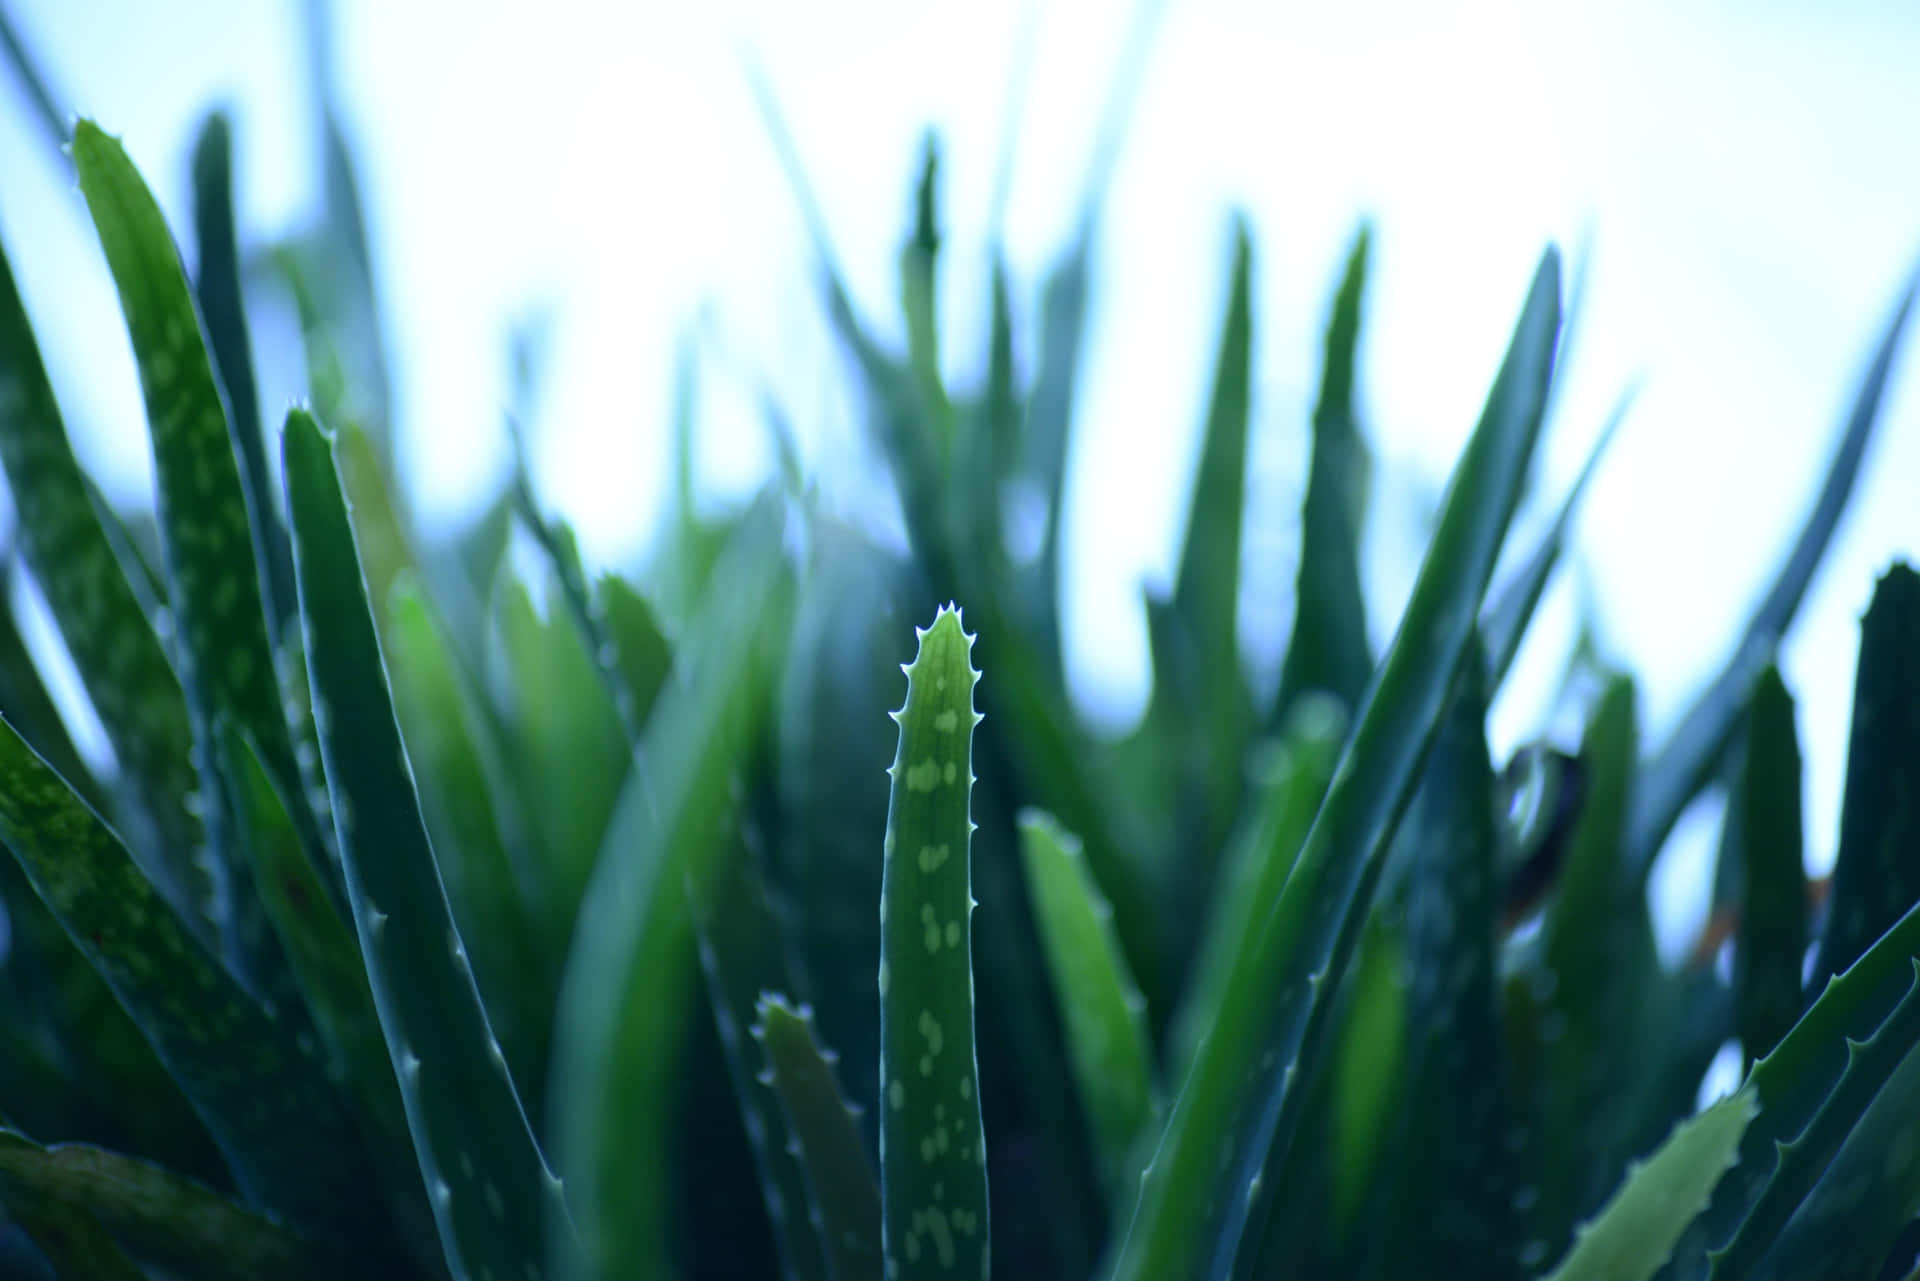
(933, 1156)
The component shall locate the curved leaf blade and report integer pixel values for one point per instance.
(490, 1188)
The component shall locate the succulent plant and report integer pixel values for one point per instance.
(444, 914)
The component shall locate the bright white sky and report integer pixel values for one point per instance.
(1742, 174)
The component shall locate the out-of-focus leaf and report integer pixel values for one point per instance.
(1773, 917)
(847, 1208)
(491, 1192)
(161, 1216)
(624, 991)
(1104, 1012)
(1674, 775)
(1876, 875)
(1631, 1238)
(1285, 795)
(223, 313)
(1329, 649)
(743, 957)
(1241, 1102)
(33, 80)
(1505, 621)
(919, 303)
(1208, 689)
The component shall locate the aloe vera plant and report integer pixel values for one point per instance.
(442, 913)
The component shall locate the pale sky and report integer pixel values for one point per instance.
(1741, 173)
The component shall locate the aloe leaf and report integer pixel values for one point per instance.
(490, 1189)
(1104, 1011)
(919, 299)
(1506, 618)
(1040, 466)
(1329, 648)
(1285, 796)
(1206, 596)
(129, 681)
(226, 658)
(263, 1098)
(223, 312)
(1443, 1188)
(933, 1148)
(1773, 918)
(326, 963)
(623, 993)
(30, 706)
(1630, 1239)
(1671, 778)
(642, 655)
(742, 957)
(159, 1215)
(1876, 875)
(468, 800)
(1241, 1100)
(826, 1137)
(130, 549)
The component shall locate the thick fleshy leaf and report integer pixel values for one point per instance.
(264, 1098)
(1773, 916)
(1105, 1015)
(227, 663)
(1674, 775)
(933, 1150)
(826, 1138)
(1876, 875)
(1631, 1238)
(222, 311)
(1241, 1101)
(1329, 650)
(742, 957)
(129, 680)
(491, 1191)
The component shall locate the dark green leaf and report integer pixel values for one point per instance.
(491, 1191)
(825, 1136)
(159, 1215)
(1329, 650)
(1773, 916)
(1876, 875)
(263, 1098)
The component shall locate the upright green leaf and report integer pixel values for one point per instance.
(1505, 620)
(933, 1148)
(129, 681)
(1773, 916)
(226, 659)
(825, 1137)
(919, 301)
(1876, 875)
(223, 312)
(1329, 650)
(263, 1097)
(1104, 1012)
(1285, 795)
(1674, 775)
(491, 1191)
(1630, 1239)
(624, 992)
(1206, 597)
(1241, 1099)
